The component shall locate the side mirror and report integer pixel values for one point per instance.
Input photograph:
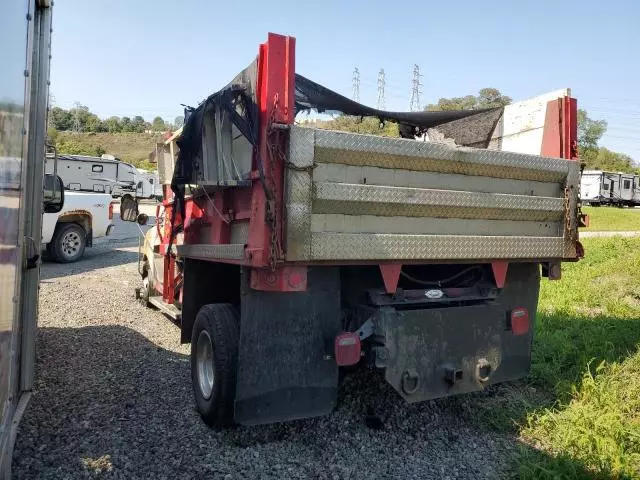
(53, 197)
(128, 208)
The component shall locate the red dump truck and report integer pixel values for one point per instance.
(287, 252)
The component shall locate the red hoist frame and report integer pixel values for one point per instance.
(263, 210)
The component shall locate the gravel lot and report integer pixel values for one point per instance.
(113, 400)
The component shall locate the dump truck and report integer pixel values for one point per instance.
(286, 253)
(25, 193)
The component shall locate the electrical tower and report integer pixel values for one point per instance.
(416, 86)
(356, 84)
(381, 82)
(76, 117)
(50, 105)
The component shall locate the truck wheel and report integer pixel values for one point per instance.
(214, 360)
(68, 243)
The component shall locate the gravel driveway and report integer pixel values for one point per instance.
(113, 400)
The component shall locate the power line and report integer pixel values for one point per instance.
(356, 84)
(381, 85)
(414, 104)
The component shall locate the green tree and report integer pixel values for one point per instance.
(61, 119)
(112, 125)
(158, 124)
(178, 122)
(138, 124)
(126, 125)
(366, 125)
(486, 98)
(589, 134)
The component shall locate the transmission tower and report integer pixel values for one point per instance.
(76, 117)
(50, 105)
(356, 84)
(381, 82)
(416, 90)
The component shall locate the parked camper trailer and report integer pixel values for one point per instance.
(147, 184)
(636, 190)
(609, 188)
(104, 174)
(626, 189)
(594, 190)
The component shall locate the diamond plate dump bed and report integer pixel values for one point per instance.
(354, 197)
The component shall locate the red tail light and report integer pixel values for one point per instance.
(347, 349)
(519, 321)
(111, 211)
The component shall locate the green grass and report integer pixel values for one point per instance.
(612, 219)
(583, 418)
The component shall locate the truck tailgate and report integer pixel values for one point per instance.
(363, 197)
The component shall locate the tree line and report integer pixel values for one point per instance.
(80, 119)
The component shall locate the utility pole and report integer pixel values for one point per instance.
(356, 85)
(76, 117)
(414, 104)
(381, 83)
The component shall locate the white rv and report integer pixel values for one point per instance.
(594, 189)
(147, 184)
(104, 174)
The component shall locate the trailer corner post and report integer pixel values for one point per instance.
(276, 102)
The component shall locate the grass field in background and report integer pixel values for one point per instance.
(583, 421)
(612, 219)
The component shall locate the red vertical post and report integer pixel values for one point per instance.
(276, 103)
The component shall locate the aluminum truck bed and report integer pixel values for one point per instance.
(362, 197)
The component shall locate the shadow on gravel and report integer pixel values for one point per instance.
(100, 256)
(109, 403)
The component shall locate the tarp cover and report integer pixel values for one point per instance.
(239, 100)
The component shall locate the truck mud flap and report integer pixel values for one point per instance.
(436, 352)
(285, 367)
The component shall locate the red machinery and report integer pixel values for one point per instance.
(435, 283)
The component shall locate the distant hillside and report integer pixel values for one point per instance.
(133, 148)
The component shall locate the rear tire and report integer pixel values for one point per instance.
(214, 362)
(68, 243)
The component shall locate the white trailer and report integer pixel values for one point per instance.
(594, 190)
(147, 184)
(25, 35)
(104, 174)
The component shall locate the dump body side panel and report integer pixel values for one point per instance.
(362, 197)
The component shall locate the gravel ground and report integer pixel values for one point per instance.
(113, 400)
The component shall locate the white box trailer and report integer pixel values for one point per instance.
(104, 174)
(594, 189)
(147, 184)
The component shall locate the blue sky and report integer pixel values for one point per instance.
(128, 57)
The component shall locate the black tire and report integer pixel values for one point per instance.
(68, 243)
(220, 322)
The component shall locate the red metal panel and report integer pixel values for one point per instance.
(551, 135)
(283, 279)
(500, 272)
(560, 135)
(390, 274)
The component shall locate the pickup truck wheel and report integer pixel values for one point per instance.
(214, 362)
(68, 243)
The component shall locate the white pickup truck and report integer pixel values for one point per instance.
(83, 218)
